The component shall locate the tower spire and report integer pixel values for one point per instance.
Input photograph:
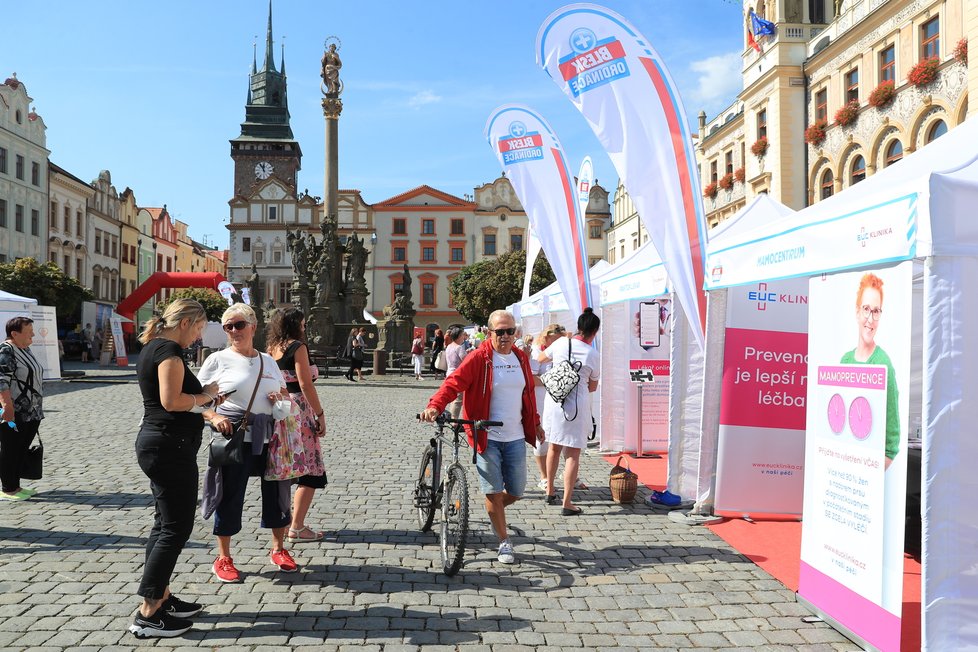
(269, 53)
(254, 55)
(283, 56)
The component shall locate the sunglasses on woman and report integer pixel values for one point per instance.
(235, 326)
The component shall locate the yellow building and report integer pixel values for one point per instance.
(128, 269)
(824, 56)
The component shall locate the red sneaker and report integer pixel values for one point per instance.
(284, 561)
(225, 570)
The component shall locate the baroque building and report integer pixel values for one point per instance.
(809, 121)
(23, 175)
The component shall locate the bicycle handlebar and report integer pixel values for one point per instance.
(478, 424)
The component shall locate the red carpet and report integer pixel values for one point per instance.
(775, 546)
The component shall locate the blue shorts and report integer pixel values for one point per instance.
(503, 467)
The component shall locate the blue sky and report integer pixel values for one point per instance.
(153, 92)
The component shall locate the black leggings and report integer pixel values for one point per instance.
(170, 463)
(13, 445)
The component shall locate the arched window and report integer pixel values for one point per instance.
(894, 152)
(827, 184)
(858, 170)
(936, 130)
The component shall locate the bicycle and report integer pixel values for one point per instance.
(442, 484)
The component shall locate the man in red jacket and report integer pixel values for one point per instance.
(498, 386)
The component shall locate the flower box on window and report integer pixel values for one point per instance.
(726, 181)
(924, 72)
(960, 53)
(815, 134)
(740, 174)
(710, 191)
(847, 114)
(882, 95)
(759, 148)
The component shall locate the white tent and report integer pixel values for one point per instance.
(923, 207)
(7, 297)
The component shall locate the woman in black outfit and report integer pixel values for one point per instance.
(166, 449)
(436, 347)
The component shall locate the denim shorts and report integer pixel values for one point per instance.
(503, 467)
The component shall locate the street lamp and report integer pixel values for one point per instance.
(373, 238)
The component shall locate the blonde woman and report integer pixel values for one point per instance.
(166, 449)
(238, 369)
(540, 363)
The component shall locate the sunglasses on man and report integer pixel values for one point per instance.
(503, 331)
(235, 326)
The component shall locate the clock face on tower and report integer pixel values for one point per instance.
(263, 170)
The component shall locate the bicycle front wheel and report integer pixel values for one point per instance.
(455, 520)
(424, 490)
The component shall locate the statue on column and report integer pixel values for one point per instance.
(406, 280)
(331, 70)
(296, 246)
(356, 263)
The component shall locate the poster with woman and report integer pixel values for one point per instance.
(855, 455)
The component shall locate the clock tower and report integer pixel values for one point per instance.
(266, 147)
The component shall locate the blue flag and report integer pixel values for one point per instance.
(760, 26)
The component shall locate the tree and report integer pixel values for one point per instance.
(46, 283)
(213, 302)
(492, 284)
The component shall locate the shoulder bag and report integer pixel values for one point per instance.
(222, 450)
(440, 362)
(32, 464)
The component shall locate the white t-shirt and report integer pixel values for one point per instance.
(506, 404)
(234, 371)
(539, 368)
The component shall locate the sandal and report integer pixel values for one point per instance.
(304, 534)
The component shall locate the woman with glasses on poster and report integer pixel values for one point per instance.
(237, 370)
(869, 310)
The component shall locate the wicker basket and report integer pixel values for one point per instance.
(623, 482)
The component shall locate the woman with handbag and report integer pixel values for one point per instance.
(540, 363)
(417, 356)
(166, 450)
(256, 384)
(568, 425)
(21, 396)
(286, 338)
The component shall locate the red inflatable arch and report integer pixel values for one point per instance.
(160, 280)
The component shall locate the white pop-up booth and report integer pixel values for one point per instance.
(45, 345)
(915, 218)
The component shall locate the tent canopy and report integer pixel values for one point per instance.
(7, 296)
(639, 276)
(920, 206)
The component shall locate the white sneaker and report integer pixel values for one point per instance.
(542, 484)
(506, 555)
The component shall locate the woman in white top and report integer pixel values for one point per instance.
(417, 356)
(455, 352)
(540, 363)
(238, 369)
(568, 426)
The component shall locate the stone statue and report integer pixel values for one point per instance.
(406, 276)
(398, 309)
(254, 287)
(323, 269)
(331, 71)
(270, 309)
(296, 245)
(357, 262)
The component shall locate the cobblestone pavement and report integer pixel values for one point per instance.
(617, 577)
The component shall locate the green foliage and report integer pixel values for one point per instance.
(213, 303)
(46, 283)
(492, 284)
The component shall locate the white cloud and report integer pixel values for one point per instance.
(422, 98)
(719, 79)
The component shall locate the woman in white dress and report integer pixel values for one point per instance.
(568, 426)
(540, 363)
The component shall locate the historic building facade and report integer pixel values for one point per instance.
(68, 224)
(23, 175)
(834, 95)
(105, 233)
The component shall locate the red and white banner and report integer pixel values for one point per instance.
(533, 160)
(761, 449)
(619, 83)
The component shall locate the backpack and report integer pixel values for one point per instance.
(417, 348)
(562, 378)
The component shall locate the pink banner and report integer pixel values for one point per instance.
(764, 379)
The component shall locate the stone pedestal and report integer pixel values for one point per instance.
(319, 331)
(395, 335)
(356, 302)
(300, 295)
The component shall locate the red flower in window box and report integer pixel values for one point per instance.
(726, 181)
(882, 95)
(710, 191)
(759, 148)
(924, 72)
(960, 53)
(815, 134)
(740, 174)
(847, 114)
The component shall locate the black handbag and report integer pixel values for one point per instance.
(224, 451)
(33, 465)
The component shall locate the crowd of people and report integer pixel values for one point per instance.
(266, 419)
